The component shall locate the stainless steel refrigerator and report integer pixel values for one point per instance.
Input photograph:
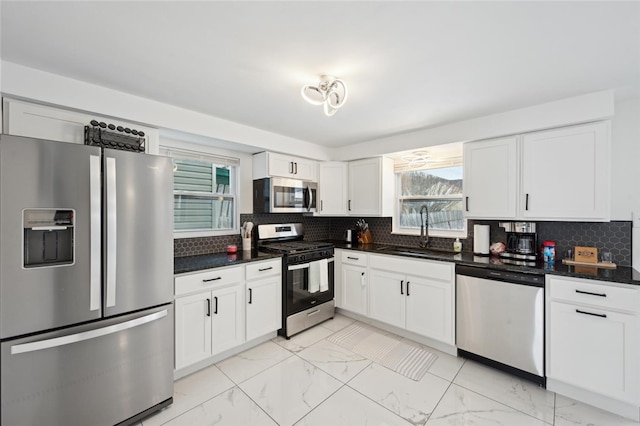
(86, 283)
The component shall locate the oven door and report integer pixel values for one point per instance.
(305, 288)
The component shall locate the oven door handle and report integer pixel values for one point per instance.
(306, 265)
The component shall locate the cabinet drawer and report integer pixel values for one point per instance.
(591, 293)
(211, 278)
(432, 269)
(354, 257)
(264, 269)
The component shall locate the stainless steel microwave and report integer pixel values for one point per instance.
(282, 195)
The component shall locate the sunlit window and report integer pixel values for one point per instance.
(440, 190)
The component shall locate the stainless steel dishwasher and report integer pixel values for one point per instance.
(500, 319)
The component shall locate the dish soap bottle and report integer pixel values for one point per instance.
(457, 245)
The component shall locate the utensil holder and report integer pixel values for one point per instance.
(246, 244)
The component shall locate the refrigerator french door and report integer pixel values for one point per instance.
(86, 255)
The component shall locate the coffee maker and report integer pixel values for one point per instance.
(522, 243)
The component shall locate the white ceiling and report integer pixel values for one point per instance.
(408, 65)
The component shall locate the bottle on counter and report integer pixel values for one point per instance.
(549, 251)
(457, 245)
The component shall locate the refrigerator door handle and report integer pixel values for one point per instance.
(86, 335)
(95, 232)
(111, 210)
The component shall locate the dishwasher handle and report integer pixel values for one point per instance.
(522, 278)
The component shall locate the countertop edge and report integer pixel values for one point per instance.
(191, 264)
(619, 275)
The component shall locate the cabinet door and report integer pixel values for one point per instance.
(263, 303)
(280, 165)
(305, 169)
(44, 122)
(491, 178)
(594, 349)
(565, 173)
(354, 289)
(332, 188)
(365, 187)
(430, 308)
(227, 318)
(388, 297)
(193, 329)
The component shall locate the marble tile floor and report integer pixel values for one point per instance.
(309, 381)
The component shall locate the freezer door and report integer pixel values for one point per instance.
(37, 176)
(97, 374)
(138, 231)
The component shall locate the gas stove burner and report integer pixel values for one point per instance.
(292, 247)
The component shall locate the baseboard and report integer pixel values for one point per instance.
(178, 374)
(441, 346)
(620, 408)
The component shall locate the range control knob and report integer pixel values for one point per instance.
(302, 257)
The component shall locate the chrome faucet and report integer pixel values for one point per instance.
(424, 226)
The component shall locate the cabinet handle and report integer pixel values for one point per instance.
(212, 279)
(362, 280)
(215, 311)
(296, 168)
(291, 167)
(408, 287)
(526, 202)
(591, 313)
(353, 258)
(321, 205)
(591, 294)
(466, 203)
(401, 284)
(250, 296)
(208, 307)
(349, 208)
(265, 269)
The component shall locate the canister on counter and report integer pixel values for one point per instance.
(549, 251)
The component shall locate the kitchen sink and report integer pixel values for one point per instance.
(417, 252)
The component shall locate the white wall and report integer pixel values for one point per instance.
(625, 160)
(579, 109)
(31, 84)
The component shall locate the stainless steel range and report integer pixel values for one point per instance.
(307, 276)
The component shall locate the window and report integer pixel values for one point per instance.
(204, 195)
(440, 189)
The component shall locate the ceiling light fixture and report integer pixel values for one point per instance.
(331, 92)
(416, 159)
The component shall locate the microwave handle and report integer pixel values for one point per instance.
(310, 192)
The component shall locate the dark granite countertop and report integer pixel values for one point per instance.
(622, 274)
(186, 264)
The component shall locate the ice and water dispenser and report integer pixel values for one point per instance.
(48, 237)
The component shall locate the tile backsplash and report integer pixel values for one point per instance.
(614, 236)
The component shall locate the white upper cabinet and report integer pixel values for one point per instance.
(491, 178)
(332, 189)
(266, 164)
(565, 173)
(371, 190)
(58, 124)
(559, 174)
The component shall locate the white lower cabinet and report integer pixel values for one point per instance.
(208, 323)
(193, 329)
(388, 300)
(593, 336)
(216, 310)
(421, 302)
(264, 306)
(352, 282)
(430, 308)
